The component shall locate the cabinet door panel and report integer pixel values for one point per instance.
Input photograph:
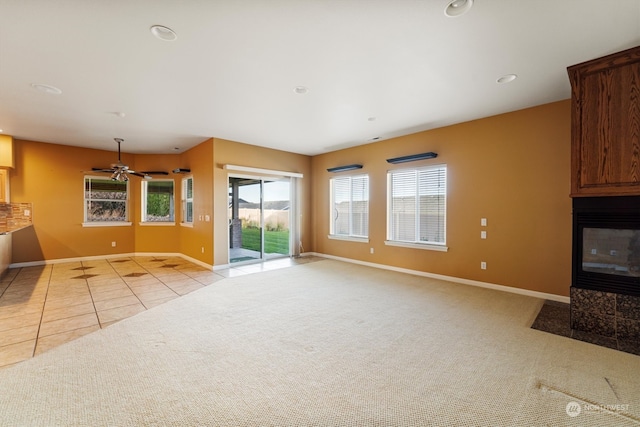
(606, 125)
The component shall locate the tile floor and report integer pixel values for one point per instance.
(45, 306)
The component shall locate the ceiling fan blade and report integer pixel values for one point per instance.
(140, 174)
(155, 172)
(120, 170)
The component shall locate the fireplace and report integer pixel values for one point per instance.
(605, 288)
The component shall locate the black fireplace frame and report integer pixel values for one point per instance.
(616, 212)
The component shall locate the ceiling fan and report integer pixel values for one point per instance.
(119, 171)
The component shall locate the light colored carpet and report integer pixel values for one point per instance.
(326, 344)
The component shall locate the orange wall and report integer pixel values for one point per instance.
(156, 238)
(199, 159)
(513, 169)
(50, 177)
(235, 153)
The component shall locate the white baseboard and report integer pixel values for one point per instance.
(113, 256)
(527, 292)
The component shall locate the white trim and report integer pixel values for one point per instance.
(165, 223)
(348, 238)
(107, 224)
(423, 246)
(127, 202)
(195, 261)
(186, 224)
(261, 171)
(112, 256)
(144, 191)
(510, 289)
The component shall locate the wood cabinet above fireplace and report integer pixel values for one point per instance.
(605, 125)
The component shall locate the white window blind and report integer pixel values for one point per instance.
(417, 205)
(350, 206)
(187, 200)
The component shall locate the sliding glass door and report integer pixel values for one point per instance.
(276, 204)
(259, 217)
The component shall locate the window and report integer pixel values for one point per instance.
(417, 206)
(350, 206)
(157, 201)
(105, 201)
(187, 200)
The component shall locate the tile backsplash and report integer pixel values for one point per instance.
(14, 216)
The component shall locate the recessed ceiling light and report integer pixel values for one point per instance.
(372, 119)
(163, 33)
(457, 8)
(507, 78)
(301, 90)
(46, 88)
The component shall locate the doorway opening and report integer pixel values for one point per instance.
(259, 218)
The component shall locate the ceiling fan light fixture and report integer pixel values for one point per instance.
(163, 33)
(120, 172)
(457, 8)
(120, 176)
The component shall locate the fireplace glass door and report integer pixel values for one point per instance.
(611, 251)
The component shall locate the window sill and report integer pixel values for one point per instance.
(423, 246)
(186, 224)
(157, 223)
(107, 224)
(348, 238)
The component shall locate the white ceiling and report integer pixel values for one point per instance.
(232, 71)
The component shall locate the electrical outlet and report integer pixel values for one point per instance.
(483, 234)
(483, 222)
(113, 244)
(483, 265)
(370, 250)
(202, 249)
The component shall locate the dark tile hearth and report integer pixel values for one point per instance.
(555, 318)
